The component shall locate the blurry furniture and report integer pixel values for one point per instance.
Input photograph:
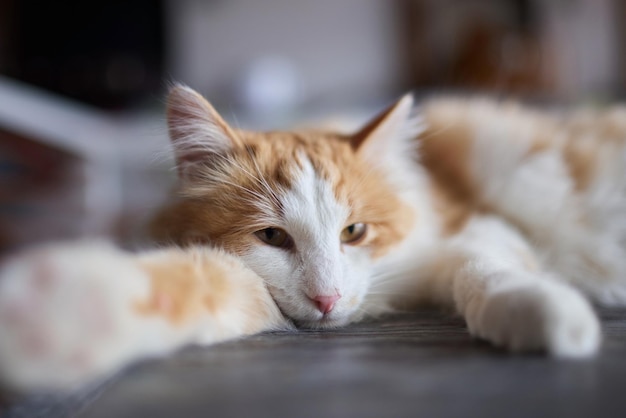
(67, 170)
(109, 54)
(558, 49)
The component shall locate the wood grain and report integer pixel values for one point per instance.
(410, 365)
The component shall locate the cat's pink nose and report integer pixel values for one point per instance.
(325, 304)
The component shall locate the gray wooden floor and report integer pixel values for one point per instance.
(418, 365)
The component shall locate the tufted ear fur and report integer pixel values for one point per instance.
(389, 140)
(196, 130)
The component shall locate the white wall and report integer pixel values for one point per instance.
(583, 37)
(336, 48)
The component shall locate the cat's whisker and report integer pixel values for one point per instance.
(389, 285)
(386, 277)
(374, 293)
(439, 131)
(259, 180)
(243, 188)
(235, 124)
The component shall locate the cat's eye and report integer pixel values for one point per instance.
(275, 237)
(353, 234)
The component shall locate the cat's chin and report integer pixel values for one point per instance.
(323, 323)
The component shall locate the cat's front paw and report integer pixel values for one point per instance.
(539, 315)
(66, 314)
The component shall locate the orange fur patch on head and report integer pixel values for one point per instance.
(232, 195)
(232, 181)
(364, 189)
(239, 193)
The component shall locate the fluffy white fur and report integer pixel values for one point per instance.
(55, 299)
(318, 265)
(70, 313)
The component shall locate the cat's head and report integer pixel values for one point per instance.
(310, 212)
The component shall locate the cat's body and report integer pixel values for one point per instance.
(510, 217)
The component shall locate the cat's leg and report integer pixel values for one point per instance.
(490, 275)
(72, 313)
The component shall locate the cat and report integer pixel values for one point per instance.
(511, 217)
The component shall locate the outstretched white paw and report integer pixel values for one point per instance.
(66, 314)
(538, 315)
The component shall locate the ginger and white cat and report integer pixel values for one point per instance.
(513, 218)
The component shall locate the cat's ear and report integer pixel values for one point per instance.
(391, 135)
(198, 133)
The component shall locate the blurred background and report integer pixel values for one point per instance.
(82, 83)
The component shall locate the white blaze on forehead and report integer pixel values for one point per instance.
(315, 218)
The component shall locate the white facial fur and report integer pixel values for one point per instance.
(319, 264)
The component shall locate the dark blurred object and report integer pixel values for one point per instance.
(508, 56)
(492, 57)
(106, 53)
(555, 49)
(495, 46)
(59, 167)
(39, 192)
(68, 170)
